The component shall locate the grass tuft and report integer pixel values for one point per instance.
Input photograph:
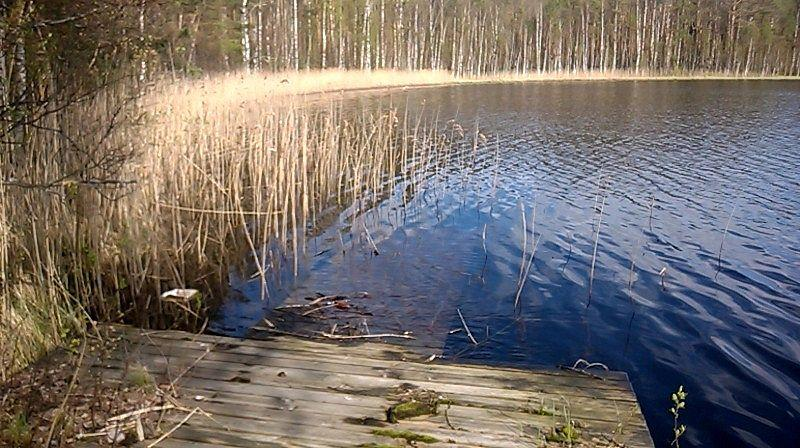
(17, 432)
(408, 436)
(138, 376)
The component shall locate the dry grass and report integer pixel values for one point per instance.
(248, 88)
(224, 175)
(238, 88)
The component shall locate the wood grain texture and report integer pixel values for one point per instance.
(286, 391)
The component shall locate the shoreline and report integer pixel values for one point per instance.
(245, 87)
(456, 82)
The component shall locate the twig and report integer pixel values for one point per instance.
(174, 428)
(447, 418)
(724, 234)
(217, 212)
(524, 277)
(139, 412)
(284, 333)
(314, 310)
(652, 204)
(463, 322)
(586, 366)
(324, 298)
(366, 336)
(524, 243)
(369, 238)
(483, 238)
(596, 240)
(190, 367)
(289, 307)
(589, 365)
(59, 415)
(311, 303)
(582, 372)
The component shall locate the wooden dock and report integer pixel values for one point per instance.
(293, 392)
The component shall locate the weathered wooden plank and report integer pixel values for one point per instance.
(359, 407)
(512, 377)
(203, 437)
(296, 392)
(580, 407)
(370, 350)
(336, 433)
(478, 420)
(481, 417)
(321, 369)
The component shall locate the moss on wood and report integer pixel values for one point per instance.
(409, 436)
(409, 409)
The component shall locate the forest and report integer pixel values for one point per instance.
(479, 37)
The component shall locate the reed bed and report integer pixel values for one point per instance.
(120, 196)
(173, 190)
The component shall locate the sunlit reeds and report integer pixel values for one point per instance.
(206, 179)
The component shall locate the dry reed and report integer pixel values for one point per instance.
(222, 178)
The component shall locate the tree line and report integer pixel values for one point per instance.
(477, 37)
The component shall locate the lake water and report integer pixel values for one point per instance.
(699, 181)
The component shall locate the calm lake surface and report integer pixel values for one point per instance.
(664, 168)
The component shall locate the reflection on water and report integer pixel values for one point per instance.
(664, 168)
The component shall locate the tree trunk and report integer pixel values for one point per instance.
(602, 36)
(244, 18)
(3, 75)
(295, 37)
(324, 36)
(366, 53)
(259, 37)
(795, 66)
(143, 62)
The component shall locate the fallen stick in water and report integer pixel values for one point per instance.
(311, 303)
(463, 322)
(366, 336)
(369, 238)
(313, 310)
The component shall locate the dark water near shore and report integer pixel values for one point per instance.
(664, 167)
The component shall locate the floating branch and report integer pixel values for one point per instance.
(367, 336)
(371, 242)
(466, 328)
